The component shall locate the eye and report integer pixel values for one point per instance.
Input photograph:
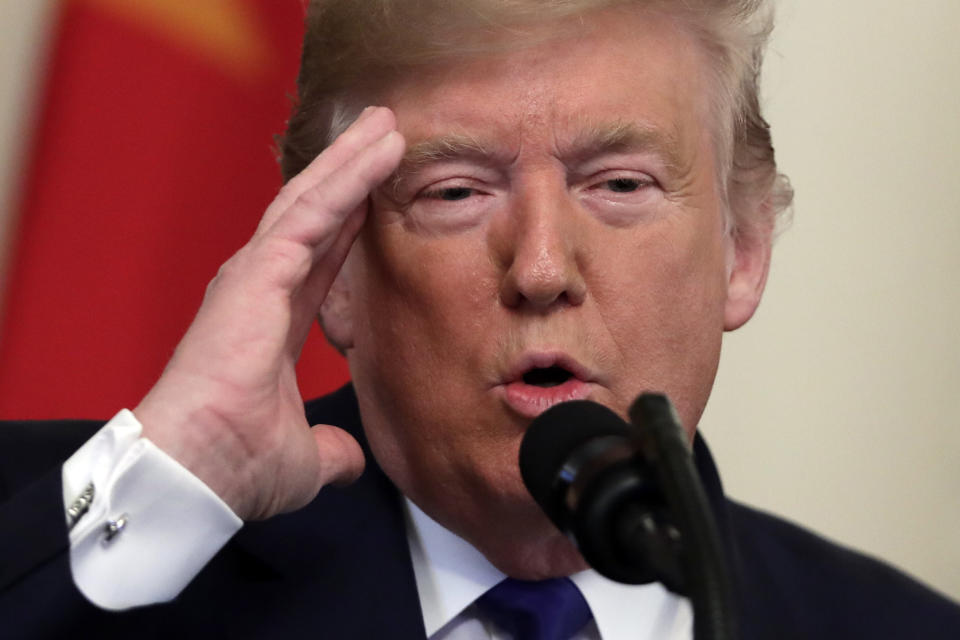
(620, 196)
(449, 194)
(450, 205)
(624, 185)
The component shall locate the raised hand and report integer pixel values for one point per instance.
(227, 406)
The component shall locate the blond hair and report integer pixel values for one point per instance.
(353, 48)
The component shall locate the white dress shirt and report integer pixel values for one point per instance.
(451, 574)
(172, 524)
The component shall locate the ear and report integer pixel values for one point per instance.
(748, 263)
(336, 313)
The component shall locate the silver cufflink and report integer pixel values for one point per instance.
(80, 506)
(113, 528)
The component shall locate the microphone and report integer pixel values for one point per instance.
(584, 466)
(630, 496)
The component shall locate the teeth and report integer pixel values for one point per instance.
(546, 377)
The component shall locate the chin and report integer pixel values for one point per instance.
(525, 544)
(549, 556)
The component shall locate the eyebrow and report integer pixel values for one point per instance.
(592, 140)
(434, 150)
(624, 137)
(443, 148)
(446, 147)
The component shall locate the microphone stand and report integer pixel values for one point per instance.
(665, 447)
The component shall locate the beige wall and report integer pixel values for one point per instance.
(23, 31)
(835, 405)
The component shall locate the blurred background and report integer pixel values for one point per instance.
(136, 154)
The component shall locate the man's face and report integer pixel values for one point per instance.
(556, 233)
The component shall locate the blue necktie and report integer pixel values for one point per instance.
(544, 610)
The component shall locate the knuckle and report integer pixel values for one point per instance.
(321, 211)
(314, 200)
(283, 262)
(232, 265)
(289, 191)
(223, 273)
(230, 271)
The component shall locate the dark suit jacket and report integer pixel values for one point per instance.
(340, 567)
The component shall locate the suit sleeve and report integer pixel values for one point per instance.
(145, 527)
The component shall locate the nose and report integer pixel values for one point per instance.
(541, 251)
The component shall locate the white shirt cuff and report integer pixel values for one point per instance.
(170, 523)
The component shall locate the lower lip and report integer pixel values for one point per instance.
(530, 401)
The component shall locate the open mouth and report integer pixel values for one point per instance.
(541, 379)
(538, 388)
(546, 377)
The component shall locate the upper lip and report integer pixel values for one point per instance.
(549, 358)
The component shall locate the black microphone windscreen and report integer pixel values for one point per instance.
(553, 436)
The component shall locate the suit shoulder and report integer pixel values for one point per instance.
(830, 590)
(338, 408)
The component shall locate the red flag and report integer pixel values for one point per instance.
(153, 162)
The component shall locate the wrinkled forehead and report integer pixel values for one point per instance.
(617, 77)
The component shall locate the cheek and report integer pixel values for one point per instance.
(425, 297)
(662, 302)
(427, 321)
(679, 264)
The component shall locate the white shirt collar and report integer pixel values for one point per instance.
(451, 574)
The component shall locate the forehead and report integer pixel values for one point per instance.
(608, 69)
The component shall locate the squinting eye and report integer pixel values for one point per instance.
(624, 185)
(450, 193)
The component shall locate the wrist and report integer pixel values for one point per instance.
(200, 442)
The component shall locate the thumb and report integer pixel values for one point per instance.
(341, 458)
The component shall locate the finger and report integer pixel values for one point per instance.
(372, 124)
(309, 298)
(279, 261)
(315, 218)
(341, 458)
